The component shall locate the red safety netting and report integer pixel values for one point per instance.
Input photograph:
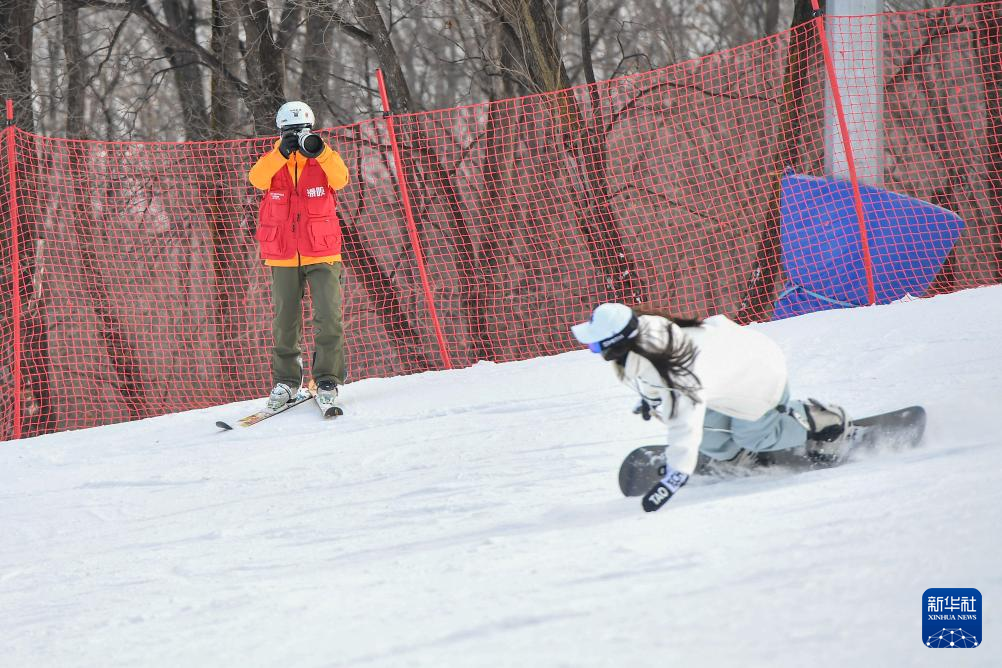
(139, 291)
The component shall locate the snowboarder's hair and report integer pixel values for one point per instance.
(672, 357)
(681, 322)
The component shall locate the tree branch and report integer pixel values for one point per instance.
(170, 34)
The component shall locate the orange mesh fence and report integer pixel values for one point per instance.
(132, 285)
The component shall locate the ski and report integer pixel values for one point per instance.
(264, 413)
(328, 408)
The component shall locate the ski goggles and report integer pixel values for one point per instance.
(627, 332)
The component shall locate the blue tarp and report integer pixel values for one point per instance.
(909, 240)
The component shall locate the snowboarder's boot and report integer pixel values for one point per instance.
(827, 433)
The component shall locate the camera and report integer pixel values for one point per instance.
(310, 144)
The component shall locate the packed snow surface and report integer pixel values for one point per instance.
(472, 518)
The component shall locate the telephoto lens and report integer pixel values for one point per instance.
(310, 144)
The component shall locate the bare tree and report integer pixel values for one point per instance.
(225, 118)
(16, 39)
(375, 34)
(539, 67)
(76, 72)
(265, 64)
(317, 63)
(182, 15)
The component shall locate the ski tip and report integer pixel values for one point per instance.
(333, 412)
(222, 425)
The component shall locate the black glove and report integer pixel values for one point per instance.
(289, 144)
(643, 409)
(659, 495)
(310, 145)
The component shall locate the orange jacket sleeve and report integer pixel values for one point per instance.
(265, 168)
(334, 167)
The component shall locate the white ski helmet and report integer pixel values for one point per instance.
(294, 113)
(609, 325)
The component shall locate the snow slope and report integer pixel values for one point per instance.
(472, 518)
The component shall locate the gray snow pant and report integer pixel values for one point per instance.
(288, 285)
(724, 437)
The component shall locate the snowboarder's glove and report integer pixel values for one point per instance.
(310, 145)
(289, 143)
(664, 490)
(643, 409)
(646, 407)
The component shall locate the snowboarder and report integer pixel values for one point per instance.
(300, 238)
(720, 388)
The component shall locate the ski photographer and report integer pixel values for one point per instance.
(300, 240)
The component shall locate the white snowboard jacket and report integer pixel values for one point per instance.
(741, 373)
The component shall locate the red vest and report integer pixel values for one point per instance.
(301, 218)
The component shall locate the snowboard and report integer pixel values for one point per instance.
(644, 467)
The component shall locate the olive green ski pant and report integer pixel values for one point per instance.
(288, 287)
